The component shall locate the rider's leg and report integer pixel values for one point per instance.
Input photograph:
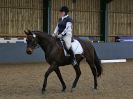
(74, 62)
(68, 40)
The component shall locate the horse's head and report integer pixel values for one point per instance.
(31, 40)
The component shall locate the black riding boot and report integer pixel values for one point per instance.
(74, 62)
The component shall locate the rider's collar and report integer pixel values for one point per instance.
(64, 17)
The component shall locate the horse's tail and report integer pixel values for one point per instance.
(97, 64)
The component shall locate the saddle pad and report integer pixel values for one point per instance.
(76, 47)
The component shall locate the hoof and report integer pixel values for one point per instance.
(72, 90)
(95, 88)
(43, 91)
(64, 89)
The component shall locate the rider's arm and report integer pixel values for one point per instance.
(56, 29)
(68, 28)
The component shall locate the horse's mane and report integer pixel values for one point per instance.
(42, 34)
(45, 35)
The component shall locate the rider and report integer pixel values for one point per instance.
(63, 31)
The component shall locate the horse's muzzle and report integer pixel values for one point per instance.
(29, 51)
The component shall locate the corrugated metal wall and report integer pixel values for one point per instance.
(85, 14)
(120, 15)
(18, 15)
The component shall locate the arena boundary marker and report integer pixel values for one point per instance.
(12, 40)
(114, 61)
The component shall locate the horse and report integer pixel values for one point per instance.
(55, 57)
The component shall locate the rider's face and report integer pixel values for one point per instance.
(62, 14)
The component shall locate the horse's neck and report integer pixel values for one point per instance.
(46, 44)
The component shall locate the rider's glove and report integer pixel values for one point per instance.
(60, 36)
(53, 34)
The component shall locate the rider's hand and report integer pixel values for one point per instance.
(60, 36)
(53, 34)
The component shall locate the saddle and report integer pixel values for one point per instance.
(76, 46)
(62, 44)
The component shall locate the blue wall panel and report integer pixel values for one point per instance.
(15, 52)
(114, 50)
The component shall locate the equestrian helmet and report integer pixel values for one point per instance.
(64, 9)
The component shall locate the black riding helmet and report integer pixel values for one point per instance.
(64, 9)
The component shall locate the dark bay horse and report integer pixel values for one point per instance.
(55, 57)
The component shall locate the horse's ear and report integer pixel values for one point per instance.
(26, 32)
(29, 32)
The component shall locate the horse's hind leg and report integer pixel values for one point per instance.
(57, 71)
(78, 73)
(94, 72)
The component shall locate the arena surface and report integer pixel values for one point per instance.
(24, 81)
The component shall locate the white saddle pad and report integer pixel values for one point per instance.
(76, 47)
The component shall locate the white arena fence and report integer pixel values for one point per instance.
(12, 40)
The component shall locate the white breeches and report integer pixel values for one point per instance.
(68, 40)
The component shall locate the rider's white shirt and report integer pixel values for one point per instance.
(64, 17)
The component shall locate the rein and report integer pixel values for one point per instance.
(38, 46)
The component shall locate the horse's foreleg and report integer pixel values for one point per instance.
(57, 71)
(78, 73)
(50, 70)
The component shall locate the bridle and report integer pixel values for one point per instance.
(36, 45)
